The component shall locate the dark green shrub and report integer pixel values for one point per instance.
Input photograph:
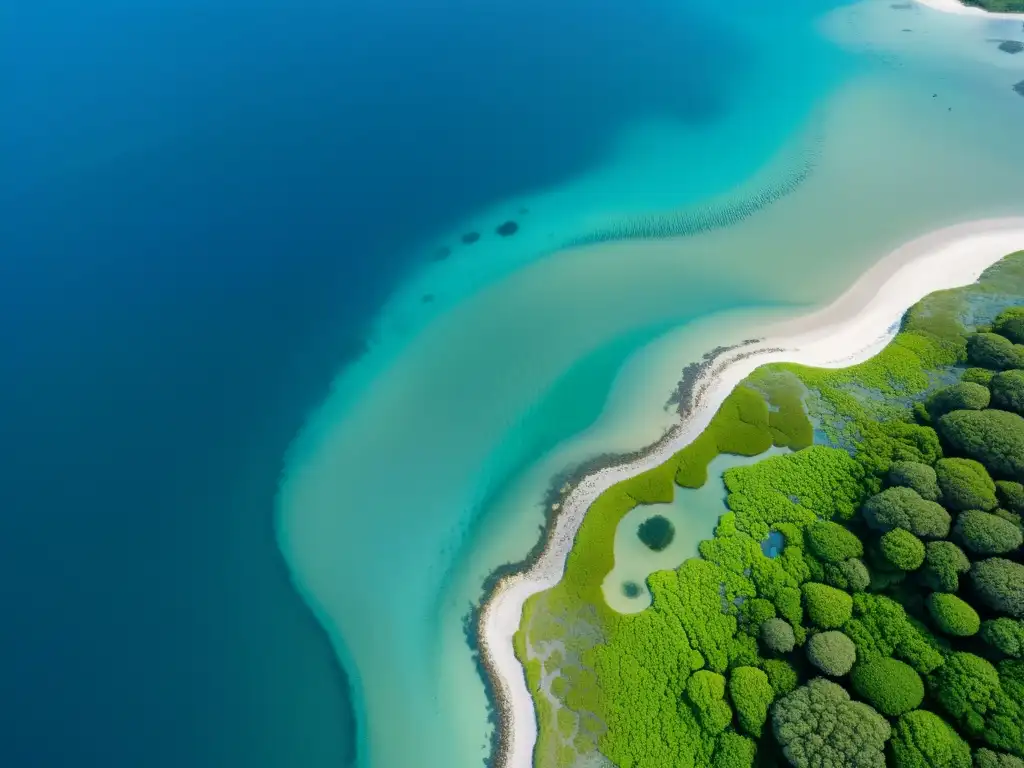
(904, 508)
(777, 635)
(922, 739)
(656, 532)
(827, 607)
(881, 627)
(992, 351)
(1013, 518)
(1010, 323)
(995, 438)
(944, 562)
(914, 474)
(831, 542)
(856, 732)
(999, 584)
(849, 575)
(1011, 495)
(1006, 635)
(986, 758)
(832, 652)
(965, 484)
(977, 376)
(903, 549)
(751, 694)
(969, 689)
(889, 685)
(1008, 391)
(956, 397)
(952, 615)
(986, 534)
(733, 751)
(781, 676)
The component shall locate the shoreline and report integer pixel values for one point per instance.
(959, 9)
(853, 328)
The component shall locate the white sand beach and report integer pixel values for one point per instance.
(851, 329)
(958, 8)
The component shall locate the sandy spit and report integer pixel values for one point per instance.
(850, 330)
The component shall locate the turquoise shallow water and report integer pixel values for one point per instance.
(417, 477)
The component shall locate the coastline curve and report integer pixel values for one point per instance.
(853, 328)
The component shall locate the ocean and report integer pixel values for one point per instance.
(271, 421)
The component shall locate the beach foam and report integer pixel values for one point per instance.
(852, 329)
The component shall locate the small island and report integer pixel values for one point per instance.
(868, 584)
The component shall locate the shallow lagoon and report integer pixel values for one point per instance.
(693, 514)
(427, 467)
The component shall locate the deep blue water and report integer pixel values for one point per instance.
(204, 201)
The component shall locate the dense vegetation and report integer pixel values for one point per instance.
(998, 6)
(889, 629)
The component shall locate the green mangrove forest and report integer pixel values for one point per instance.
(886, 629)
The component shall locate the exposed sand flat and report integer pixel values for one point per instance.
(853, 328)
(954, 6)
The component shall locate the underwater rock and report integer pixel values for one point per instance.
(1019, 87)
(901, 6)
(523, 211)
(507, 229)
(426, 298)
(470, 237)
(442, 253)
(1011, 46)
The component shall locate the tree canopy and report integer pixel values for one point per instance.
(890, 686)
(827, 606)
(1008, 391)
(944, 563)
(1000, 585)
(995, 438)
(956, 397)
(913, 474)
(1005, 635)
(987, 534)
(751, 694)
(922, 739)
(904, 508)
(832, 652)
(952, 615)
(857, 733)
(969, 688)
(832, 542)
(1010, 323)
(986, 758)
(965, 484)
(777, 635)
(902, 549)
(990, 350)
